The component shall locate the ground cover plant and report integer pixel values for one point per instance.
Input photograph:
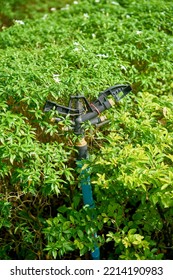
(19, 10)
(84, 48)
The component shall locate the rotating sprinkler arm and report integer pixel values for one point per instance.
(103, 102)
(80, 110)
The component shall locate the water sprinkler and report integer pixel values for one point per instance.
(80, 111)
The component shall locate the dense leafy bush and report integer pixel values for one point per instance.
(86, 47)
(18, 10)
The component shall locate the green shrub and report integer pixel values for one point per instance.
(19, 10)
(87, 47)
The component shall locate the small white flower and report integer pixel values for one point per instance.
(76, 44)
(97, 1)
(75, 2)
(56, 78)
(86, 15)
(115, 3)
(128, 16)
(19, 21)
(102, 55)
(93, 36)
(66, 7)
(138, 32)
(78, 47)
(123, 67)
(44, 17)
(53, 9)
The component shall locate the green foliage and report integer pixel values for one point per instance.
(86, 47)
(17, 10)
(71, 230)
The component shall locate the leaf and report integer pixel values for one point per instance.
(79, 245)
(12, 158)
(54, 254)
(126, 242)
(170, 157)
(72, 219)
(67, 246)
(132, 231)
(62, 209)
(80, 234)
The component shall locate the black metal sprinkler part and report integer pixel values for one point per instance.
(80, 110)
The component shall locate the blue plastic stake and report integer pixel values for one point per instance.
(85, 184)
